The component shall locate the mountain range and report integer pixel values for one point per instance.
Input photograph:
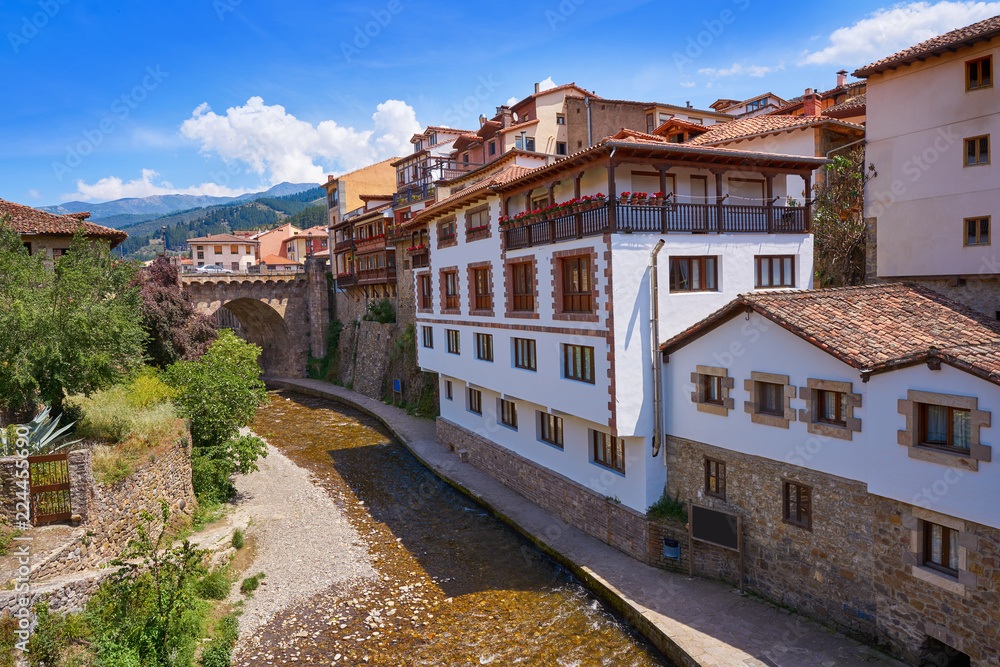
(164, 204)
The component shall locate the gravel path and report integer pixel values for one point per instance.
(304, 543)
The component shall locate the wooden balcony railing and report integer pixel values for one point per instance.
(385, 274)
(347, 279)
(370, 244)
(344, 246)
(680, 218)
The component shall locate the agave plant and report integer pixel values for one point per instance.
(44, 436)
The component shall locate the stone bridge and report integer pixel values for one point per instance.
(285, 313)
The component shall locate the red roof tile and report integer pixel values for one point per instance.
(873, 328)
(505, 175)
(277, 259)
(967, 36)
(224, 238)
(32, 221)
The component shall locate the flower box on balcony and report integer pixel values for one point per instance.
(416, 250)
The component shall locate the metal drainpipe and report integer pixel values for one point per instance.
(654, 345)
(590, 139)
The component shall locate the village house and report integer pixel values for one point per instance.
(271, 241)
(846, 101)
(930, 208)
(366, 258)
(231, 252)
(534, 324)
(755, 106)
(304, 244)
(52, 235)
(850, 429)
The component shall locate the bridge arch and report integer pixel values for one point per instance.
(263, 326)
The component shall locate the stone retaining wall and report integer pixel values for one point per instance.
(65, 594)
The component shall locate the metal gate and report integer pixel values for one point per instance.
(49, 481)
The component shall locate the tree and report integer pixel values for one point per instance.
(219, 393)
(838, 220)
(175, 330)
(67, 325)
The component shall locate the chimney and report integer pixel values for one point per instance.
(841, 78)
(688, 104)
(506, 116)
(810, 103)
(482, 120)
(538, 88)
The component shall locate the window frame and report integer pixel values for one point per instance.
(969, 87)
(482, 296)
(550, 429)
(426, 295)
(582, 299)
(926, 549)
(717, 382)
(451, 290)
(484, 346)
(562, 148)
(715, 469)
(427, 334)
(840, 416)
(760, 259)
(521, 277)
(448, 390)
(802, 519)
(608, 451)
(674, 266)
(922, 440)
(525, 347)
(570, 370)
(978, 222)
(475, 401)
(560, 119)
(761, 390)
(508, 413)
(454, 337)
(976, 142)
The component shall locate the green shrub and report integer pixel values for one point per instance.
(53, 635)
(112, 414)
(217, 654)
(8, 625)
(250, 584)
(7, 535)
(214, 585)
(668, 508)
(380, 311)
(147, 389)
(237, 539)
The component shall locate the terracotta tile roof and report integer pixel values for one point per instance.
(950, 41)
(311, 233)
(586, 93)
(873, 328)
(277, 259)
(856, 102)
(32, 221)
(521, 125)
(760, 125)
(677, 123)
(367, 198)
(82, 215)
(223, 238)
(505, 175)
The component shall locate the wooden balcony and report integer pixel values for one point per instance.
(347, 280)
(374, 244)
(384, 275)
(343, 246)
(412, 193)
(665, 219)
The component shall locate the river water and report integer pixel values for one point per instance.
(456, 586)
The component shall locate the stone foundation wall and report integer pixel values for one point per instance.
(64, 594)
(346, 308)
(8, 488)
(374, 344)
(980, 295)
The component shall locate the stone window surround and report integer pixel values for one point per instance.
(909, 438)
(807, 415)
(443, 289)
(752, 407)
(508, 286)
(452, 241)
(486, 233)
(698, 395)
(471, 275)
(914, 522)
(557, 285)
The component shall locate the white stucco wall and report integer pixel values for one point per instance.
(918, 118)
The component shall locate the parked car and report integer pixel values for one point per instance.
(211, 268)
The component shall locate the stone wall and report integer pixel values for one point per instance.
(8, 488)
(980, 295)
(64, 594)
(374, 344)
(406, 300)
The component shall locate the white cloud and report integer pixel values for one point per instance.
(112, 187)
(546, 84)
(687, 84)
(740, 70)
(273, 143)
(512, 101)
(889, 30)
(34, 194)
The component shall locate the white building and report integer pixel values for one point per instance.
(541, 331)
(233, 253)
(932, 111)
(851, 429)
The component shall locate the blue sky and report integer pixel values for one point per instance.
(111, 99)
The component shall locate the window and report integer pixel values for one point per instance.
(693, 274)
(493, 147)
(756, 104)
(524, 354)
(576, 285)
(508, 413)
(236, 266)
(560, 148)
(775, 271)
(484, 293)
(664, 117)
(715, 478)
(941, 548)
(201, 247)
(977, 151)
(447, 389)
(218, 250)
(798, 505)
(484, 347)
(649, 124)
(711, 389)
(426, 302)
(519, 141)
(578, 363)
(428, 337)
(451, 290)
(418, 146)
(830, 407)
(697, 121)
(551, 429)
(235, 250)
(478, 218)
(529, 143)
(523, 287)
(945, 427)
(609, 451)
(977, 231)
(475, 401)
(201, 255)
(454, 341)
(446, 230)
(979, 73)
(770, 397)
(560, 119)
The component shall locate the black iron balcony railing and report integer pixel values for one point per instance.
(413, 193)
(685, 218)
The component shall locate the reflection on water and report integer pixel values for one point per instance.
(457, 586)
